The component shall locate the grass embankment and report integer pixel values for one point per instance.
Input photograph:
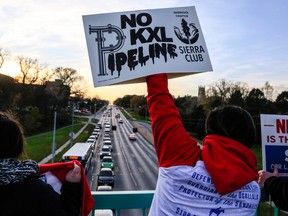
(39, 146)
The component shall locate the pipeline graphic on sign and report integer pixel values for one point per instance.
(101, 31)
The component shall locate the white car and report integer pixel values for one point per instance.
(107, 130)
(132, 136)
(103, 212)
(105, 151)
(104, 188)
(92, 141)
(106, 138)
(108, 143)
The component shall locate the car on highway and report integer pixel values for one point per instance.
(103, 212)
(107, 162)
(92, 141)
(106, 137)
(96, 134)
(106, 177)
(105, 151)
(120, 121)
(132, 136)
(104, 188)
(108, 143)
(97, 129)
(107, 129)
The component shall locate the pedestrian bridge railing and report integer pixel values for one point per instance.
(141, 199)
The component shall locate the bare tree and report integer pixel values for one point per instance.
(268, 89)
(4, 55)
(225, 89)
(30, 70)
(46, 75)
(78, 91)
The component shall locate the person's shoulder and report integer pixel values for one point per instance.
(34, 187)
(34, 184)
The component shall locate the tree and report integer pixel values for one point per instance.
(126, 101)
(68, 76)
(282, 102)
(268, 91)
(4, 54)
(29, 70)
(46, 75)
(225, 89)
(236, 98)
(186, 103)
(212, 102)
(255, 101)
(118, 102)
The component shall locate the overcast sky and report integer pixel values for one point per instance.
(247, 40)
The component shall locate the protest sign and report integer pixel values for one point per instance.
(125, 47)
(274, 130)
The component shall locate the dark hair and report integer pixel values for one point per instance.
(232, 122)
(12, 139)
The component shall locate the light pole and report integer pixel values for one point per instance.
(94, 110)
(72, 126)
(54, 136)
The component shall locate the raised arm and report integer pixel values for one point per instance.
(173, 145)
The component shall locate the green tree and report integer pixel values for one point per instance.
(236, 98)
(282, 102)
(256, 101)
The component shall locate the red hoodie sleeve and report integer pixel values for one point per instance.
(173, 145)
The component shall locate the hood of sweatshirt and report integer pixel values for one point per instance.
(230, 163)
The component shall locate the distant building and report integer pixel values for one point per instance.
(201, 94)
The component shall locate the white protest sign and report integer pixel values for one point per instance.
(125, 47)
(274, 130)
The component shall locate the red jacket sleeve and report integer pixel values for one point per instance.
(173, 145)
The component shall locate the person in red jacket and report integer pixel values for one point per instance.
(275, 186)
(22, 192)
(218, 179)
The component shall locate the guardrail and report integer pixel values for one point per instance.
(120, 200)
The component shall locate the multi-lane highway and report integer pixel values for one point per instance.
(135, 160)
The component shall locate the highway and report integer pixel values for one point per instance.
(135, 160)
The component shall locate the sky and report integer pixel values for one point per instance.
(247, 40)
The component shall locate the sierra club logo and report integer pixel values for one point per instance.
(189, 33)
